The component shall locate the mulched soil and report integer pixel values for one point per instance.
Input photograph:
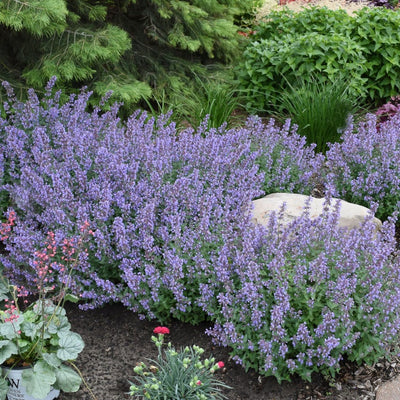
(116, 339)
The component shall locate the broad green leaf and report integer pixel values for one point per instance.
(51, 359)
(67, 379)
(9, 329)
(71, 344)
(7, 349)
(72, 298)
(59, 325)
(3, 388)
(39, 379)
(29, 329)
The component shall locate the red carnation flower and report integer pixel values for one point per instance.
(161, 330)
(220, 364)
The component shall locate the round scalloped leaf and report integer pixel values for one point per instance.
(71, 297)
(51, 359)
(30, 329)
(3, 388)
(7, 349)
(10, 329)
(39, 380)
(67, 379)
(71, 344)
(59, 325)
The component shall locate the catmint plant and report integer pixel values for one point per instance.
(309, 294)
(365, 167)
(162, 204)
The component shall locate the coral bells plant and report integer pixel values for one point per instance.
(311, 295)
(37, 333)
(177, 375)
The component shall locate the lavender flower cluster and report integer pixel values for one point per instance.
(311, 295)
(162, 204)
(365, 167)
(170, 214)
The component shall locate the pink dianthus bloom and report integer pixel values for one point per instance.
(162, 330)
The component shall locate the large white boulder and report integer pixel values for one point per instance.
(351, 215)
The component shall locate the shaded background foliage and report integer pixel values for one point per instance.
(133, 47)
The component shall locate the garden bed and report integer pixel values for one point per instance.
(116, 340)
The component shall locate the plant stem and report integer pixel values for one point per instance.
(83, 380)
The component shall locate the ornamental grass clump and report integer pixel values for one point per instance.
(319, 108)
(313, 296)
(365, 167)
(162, 204)
(177, 375)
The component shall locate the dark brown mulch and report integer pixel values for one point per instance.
(115, 340)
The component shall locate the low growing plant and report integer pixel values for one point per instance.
(161, 204)
(37, 334)
(287, 162)
(388, 110)
(177, 375)
(365, 167)
(311, 295)
(214, 99)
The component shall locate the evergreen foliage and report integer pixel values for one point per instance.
(131, 47)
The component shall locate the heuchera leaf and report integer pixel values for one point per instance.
(7, 349)
(39, 379)
(59, 325)
(3, 389)
(71, 344)
(10, 329)
(51, 359)
(72, 298)
(29, 329)
(67, 379)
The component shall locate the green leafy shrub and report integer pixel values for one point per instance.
(363, 49)
(377, 31)
(269, 63)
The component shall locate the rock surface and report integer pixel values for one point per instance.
(351, 215)
(389, 390)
